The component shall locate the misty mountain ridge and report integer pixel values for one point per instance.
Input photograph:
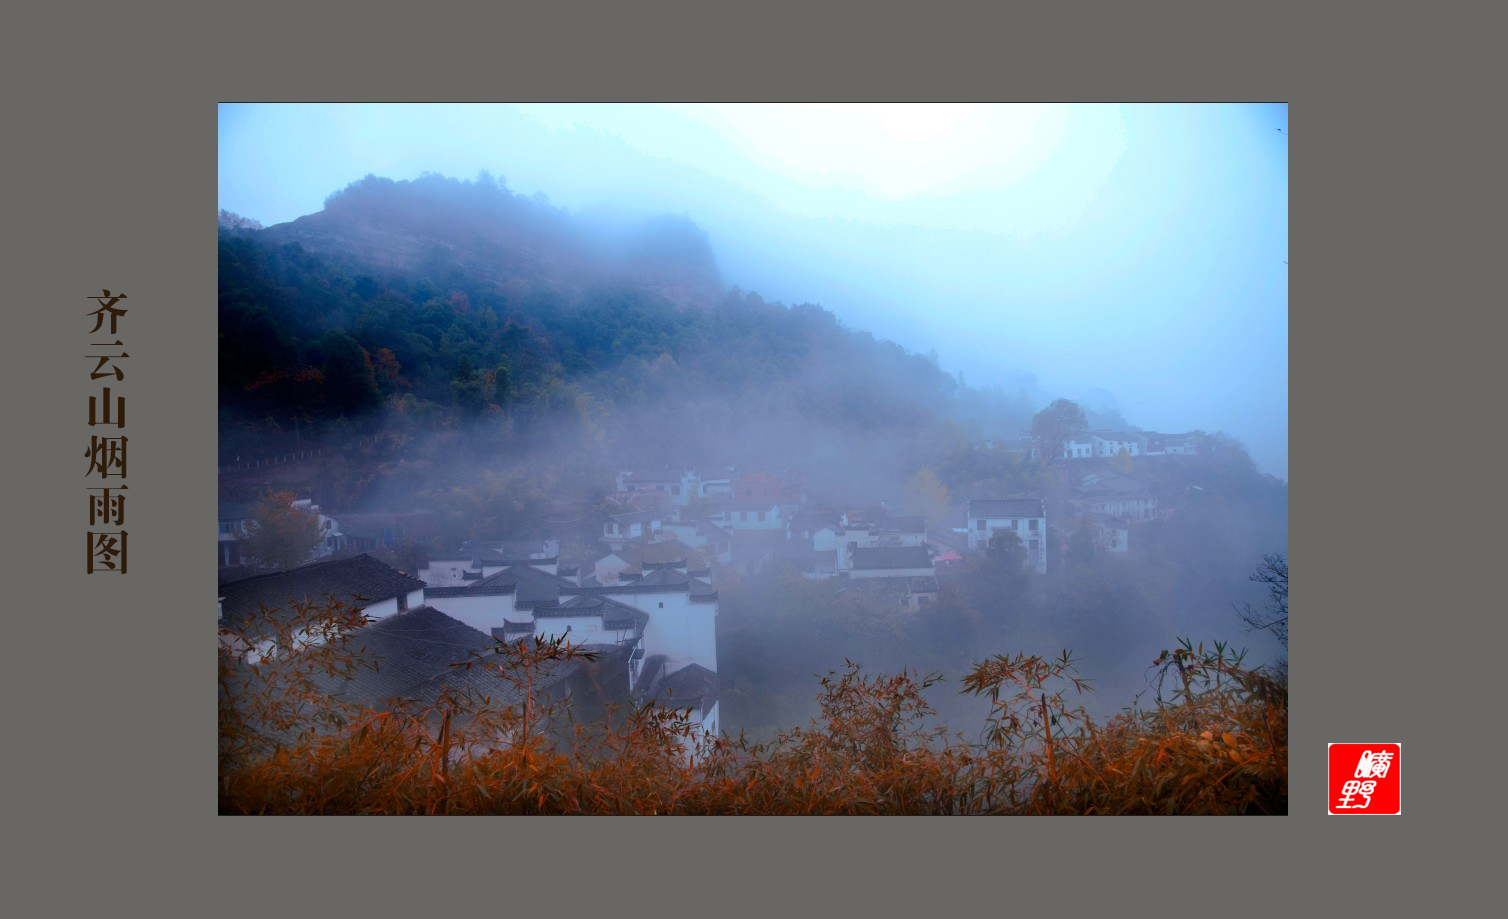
(434, 225)
(421, 309)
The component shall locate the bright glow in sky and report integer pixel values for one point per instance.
(1134, 249)
(891, 152)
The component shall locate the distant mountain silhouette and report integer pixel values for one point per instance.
(434, 225)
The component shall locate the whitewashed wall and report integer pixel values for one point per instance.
(683, 631)
(481, 613)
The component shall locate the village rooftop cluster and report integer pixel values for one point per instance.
(644, 599)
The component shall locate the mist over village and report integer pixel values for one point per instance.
(753, 459)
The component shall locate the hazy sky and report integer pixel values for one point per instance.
(1134, 249)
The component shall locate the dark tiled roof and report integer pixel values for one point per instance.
(615, 615)
(664, 577)
(1006, 507)
(902, 525)
(470, 590)
(486, 683)
(359, 581)
(415, 652)
(587, 604)
(235, 573)
(662, 581)
(409, 649)
(701, 591)
(693, 686)
(887, 557)
(530, 584)
(657, 553)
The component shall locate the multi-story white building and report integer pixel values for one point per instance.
(1111, 443)
(1026, 517)
(1078, 446)
(752, 515)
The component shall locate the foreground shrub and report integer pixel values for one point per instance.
(1216, 744)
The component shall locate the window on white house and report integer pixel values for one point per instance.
(1032, 525)
(980, 526)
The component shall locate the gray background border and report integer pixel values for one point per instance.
(113, 177)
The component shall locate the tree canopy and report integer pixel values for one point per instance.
(1055, 424)
(282, 535)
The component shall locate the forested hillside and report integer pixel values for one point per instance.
(407, 312)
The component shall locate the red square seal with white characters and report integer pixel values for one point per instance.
(1365, 778)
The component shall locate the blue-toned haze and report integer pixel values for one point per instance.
(1135, 250)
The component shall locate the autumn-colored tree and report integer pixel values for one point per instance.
(1122, 462)
(389, 372)
(927, 495)
(282, 535)
(1054, 425)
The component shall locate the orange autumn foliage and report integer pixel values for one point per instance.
(1217, 745)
